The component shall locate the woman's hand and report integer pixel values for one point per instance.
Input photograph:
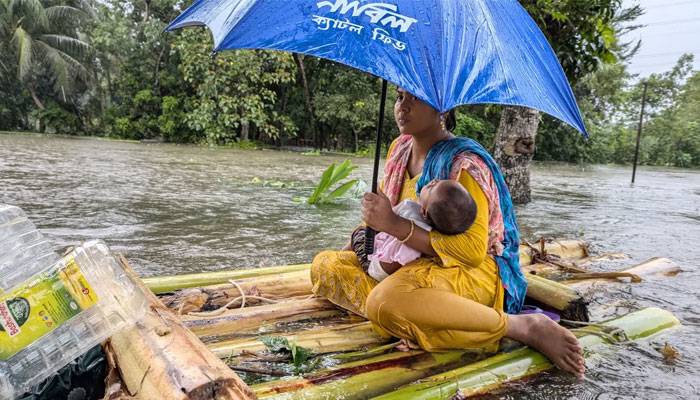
(377, 212)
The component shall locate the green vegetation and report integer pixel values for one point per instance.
(107, 69)
(298, 355)
(332, 176)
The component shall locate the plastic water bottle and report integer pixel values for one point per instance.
(54, 309)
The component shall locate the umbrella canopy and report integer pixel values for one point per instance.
(445, 52)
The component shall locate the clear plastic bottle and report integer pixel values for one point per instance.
(54, 309)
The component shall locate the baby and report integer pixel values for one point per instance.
(443, 205)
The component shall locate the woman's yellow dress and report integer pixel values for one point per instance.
(452, 301)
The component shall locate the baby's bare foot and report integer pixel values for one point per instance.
(406, 345)
(549, 338)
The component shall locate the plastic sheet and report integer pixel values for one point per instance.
(445, 52)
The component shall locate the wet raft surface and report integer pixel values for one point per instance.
(287, 344)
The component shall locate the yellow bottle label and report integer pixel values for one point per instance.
(42, 304)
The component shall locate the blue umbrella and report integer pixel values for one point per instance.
(445, 52)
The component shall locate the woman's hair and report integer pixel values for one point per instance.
(451, 119)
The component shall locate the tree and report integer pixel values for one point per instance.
(602, 97)
(308, 97)
(234, 90)
(672, 135)
(136, 69)
(41, 43)
(584, 35)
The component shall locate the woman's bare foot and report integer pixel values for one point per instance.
(549, 338)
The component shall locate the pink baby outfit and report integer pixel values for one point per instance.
(389, 249)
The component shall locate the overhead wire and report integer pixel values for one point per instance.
(666, 5)
(682, 32)
(671, 53)
(673, 21)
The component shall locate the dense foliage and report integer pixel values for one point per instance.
(107, 69)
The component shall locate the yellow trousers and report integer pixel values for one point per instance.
(436, 307)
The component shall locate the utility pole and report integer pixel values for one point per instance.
(639, 131)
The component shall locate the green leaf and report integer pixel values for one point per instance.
(299, 354)
(340, 191)
(323, 185)
(24, 43)
(276, 344)
(341, 172)
(331, 177)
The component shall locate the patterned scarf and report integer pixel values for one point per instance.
(446, 160)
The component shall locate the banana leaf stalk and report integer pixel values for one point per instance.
(563, 249)
(166, 284)
(567, 301)
(276, 287)
(251, 319)
(362, 379)
(486, 375)
(569, 249)
(341, 338)
(364, 354)
(158, 358)
(654, 267)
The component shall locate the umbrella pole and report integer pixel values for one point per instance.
(369, 233)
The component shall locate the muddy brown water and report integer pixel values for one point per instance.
(176, 209)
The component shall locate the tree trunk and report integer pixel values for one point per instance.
(156, 73)
(245, 130)
(147, 11)
(307, 98)
(356, 140)
(37, 101)
(110, 87)
(39, 125)
(515, 147)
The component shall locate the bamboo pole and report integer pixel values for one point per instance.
(569, 249)
(361, 379)
(484, 376)
(570, 304)
(245, 319)
(160, 359)
(320, 340)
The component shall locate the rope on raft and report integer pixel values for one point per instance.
(541, 256)
(242, 298)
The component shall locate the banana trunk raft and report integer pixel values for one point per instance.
(259, 333)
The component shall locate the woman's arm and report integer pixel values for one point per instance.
(419, 240)
(468, 248)
(378, 214)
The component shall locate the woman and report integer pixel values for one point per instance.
(453, 297)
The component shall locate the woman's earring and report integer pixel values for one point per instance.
(442, 122)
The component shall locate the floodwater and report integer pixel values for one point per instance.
(176, 209)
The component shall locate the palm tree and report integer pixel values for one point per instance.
(41, 38)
